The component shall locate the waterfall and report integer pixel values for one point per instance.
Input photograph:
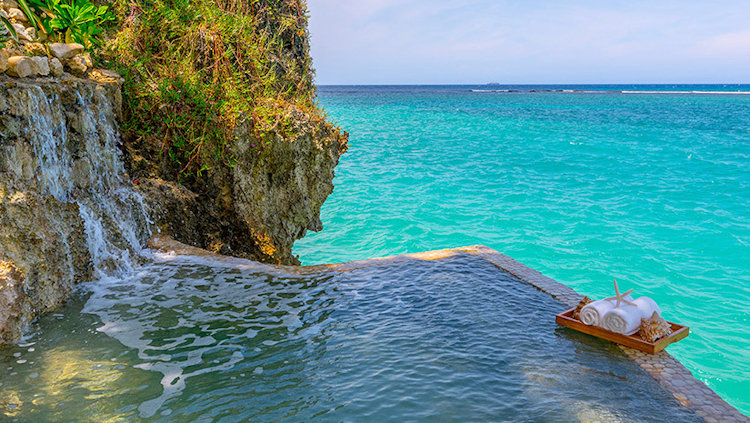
(79, 161)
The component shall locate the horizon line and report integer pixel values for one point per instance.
(527, 84)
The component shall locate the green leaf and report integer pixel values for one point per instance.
(46, 24)
(27, 11)
(9, 25)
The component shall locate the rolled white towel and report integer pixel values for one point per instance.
(625, 319)
(592, 313)
(647, 306)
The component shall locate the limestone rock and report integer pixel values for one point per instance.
(21, 31)
(65, 51)
(256, 209)
(87, 60)
(105, 75)
(20, 66)
(40, 66)
(76, 65)
(55, 66)
(12, 304)
(17, 14)
(7, 4)
(36, 49)
(43, 242)
(3, 61)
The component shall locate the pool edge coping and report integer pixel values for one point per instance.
(662, 366)
(669, 372)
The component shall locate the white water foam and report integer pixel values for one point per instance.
(134, 311)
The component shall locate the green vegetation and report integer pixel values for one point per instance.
(67, 21)
(77, 21)
(29, 14)
(196, 69)
(9, 28)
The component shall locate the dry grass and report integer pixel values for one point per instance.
(194, 69)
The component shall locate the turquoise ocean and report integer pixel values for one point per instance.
(647, 184)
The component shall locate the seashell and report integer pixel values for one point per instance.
(654, 328)
(577, 311)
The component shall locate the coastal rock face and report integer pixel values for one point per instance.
(79, 199)
(66, 212)
(279, 191)
(245, 179)
(255, 209)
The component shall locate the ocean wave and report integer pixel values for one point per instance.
(684, 92)
(570, 91)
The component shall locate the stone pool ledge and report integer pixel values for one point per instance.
(667, 370)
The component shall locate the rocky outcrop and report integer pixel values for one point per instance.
(77, 203)
(255, 209)
(66, 211)
(247, 178)
(69, 212)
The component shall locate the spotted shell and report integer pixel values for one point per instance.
(654, 328)
(577, 311)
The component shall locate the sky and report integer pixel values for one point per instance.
(530, 41)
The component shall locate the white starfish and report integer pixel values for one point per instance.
(621, 297)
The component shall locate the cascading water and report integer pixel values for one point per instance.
(90, 174)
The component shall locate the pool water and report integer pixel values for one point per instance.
(450, 340)
(651, 189)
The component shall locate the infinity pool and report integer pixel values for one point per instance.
(451, 340)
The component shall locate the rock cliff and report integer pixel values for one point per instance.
(254, 209)
(67, 213)
(90, 168)
(221, 130)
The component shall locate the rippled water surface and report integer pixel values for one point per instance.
(450, 340)
(652, 189)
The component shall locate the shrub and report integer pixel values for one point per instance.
(69, 21)
(194, 69)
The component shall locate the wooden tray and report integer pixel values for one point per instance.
(633, 341)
